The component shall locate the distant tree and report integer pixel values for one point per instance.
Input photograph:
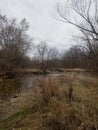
(43, 55)
(47, 56)
(54, 58)
(74, 58)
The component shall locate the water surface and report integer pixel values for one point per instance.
(13, 87)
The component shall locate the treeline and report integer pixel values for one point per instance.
(77, 56)
(51, 58)
(15, 43)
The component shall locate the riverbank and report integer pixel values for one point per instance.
(19, 72)
(15, 104)
(54, 108)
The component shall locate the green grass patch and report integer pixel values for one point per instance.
(10, 122)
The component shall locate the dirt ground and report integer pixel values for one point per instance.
(13, 105)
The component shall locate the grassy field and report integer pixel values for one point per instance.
(67, 102)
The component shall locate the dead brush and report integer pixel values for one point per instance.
(70, 92)
(62, 116)
(45, 89)
(69, 84)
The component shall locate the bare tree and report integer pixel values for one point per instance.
(83, 10)
(47, 56)
(90, 50)
(74, 58)
(85, 14)
(14, 43)
(54, 58)
(43, 55)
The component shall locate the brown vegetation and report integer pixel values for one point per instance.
(52, 110)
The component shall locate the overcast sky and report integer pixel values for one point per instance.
(40, 15)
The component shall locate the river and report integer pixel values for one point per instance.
(11, 88)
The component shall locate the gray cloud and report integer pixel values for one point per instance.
(39, 14)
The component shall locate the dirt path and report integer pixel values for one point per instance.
(10, 107)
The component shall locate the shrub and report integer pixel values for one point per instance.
(44, 90)
(64, 116)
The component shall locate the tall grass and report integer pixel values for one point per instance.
(64, 103)
(44, 90)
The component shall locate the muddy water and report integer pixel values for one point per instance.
(11, 88)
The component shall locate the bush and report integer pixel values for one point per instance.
(64, 116)
(44, 90)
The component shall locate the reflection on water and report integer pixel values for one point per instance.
(12, 87)
(9, 88)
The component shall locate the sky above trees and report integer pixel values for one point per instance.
(41, 15)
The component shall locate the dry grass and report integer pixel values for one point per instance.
(53, 109)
